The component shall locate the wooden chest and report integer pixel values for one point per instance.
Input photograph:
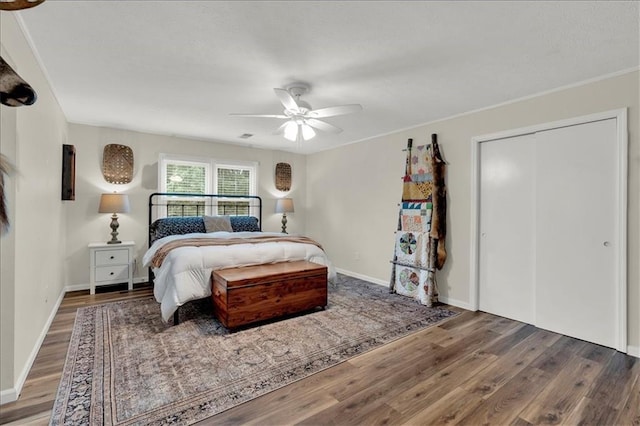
(256, 293)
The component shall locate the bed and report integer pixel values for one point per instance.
(182, 255)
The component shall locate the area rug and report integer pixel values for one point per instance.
(126, 367)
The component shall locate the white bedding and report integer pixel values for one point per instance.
(185, 273)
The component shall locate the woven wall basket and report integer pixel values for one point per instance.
(117, 163)
(283, 177)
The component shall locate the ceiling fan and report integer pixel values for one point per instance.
(301, 118)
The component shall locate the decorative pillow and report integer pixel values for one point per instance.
(217, 223)
(244, 223)
(176, 226)
(179, 225)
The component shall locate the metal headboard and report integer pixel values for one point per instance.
(211, 205)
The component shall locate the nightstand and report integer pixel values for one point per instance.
(110, 264)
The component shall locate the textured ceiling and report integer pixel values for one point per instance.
(181, 67)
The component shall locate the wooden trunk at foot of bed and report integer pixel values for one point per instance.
(251, 294)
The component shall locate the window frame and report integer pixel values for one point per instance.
(211, 176)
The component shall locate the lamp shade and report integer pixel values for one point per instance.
(114, 203)
(291, 131)
(307, 132)
(294, 129)
(284, 205)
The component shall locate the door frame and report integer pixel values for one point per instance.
(621, 195)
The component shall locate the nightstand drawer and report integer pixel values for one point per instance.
(111, 273)
(112, 257)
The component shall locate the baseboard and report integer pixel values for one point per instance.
(8, 395)
(11, 395)
(633, 351)
(76, 287)
(443, 299)
(363, 277)
(456, 303)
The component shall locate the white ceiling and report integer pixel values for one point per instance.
(180, 67)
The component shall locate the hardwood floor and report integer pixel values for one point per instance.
(473, 369)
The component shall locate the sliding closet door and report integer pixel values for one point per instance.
(576, 231)
(549, 231)
(507, 250)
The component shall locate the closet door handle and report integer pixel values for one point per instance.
(606, 244)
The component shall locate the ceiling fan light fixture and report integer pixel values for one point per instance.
(291, 131)
(307, 132)
(301, 120)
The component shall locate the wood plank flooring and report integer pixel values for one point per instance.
(473, 369)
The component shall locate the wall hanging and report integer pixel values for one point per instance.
(420, 236)
(117, 164)
(68, 172)
(283, 177)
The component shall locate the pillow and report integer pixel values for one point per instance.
(244, 223)
(177, 225)
(217, 223)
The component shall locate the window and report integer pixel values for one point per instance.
(234, 180)
(192, 175)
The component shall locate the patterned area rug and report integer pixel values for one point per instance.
(125, 366)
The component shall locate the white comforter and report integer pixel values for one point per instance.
(186, 271)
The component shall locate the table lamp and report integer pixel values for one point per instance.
(284, 206)
(114, 203)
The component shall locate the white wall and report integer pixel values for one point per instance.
(86, 225)
(353, 191)
(33, 250)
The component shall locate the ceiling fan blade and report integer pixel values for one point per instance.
(287, 100)
(323, 125)
(260, 115)
(335, 110)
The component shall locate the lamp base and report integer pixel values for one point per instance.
(114, 230)
(284, 223)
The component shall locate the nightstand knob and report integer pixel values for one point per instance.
(112, 257)
(111, 273)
